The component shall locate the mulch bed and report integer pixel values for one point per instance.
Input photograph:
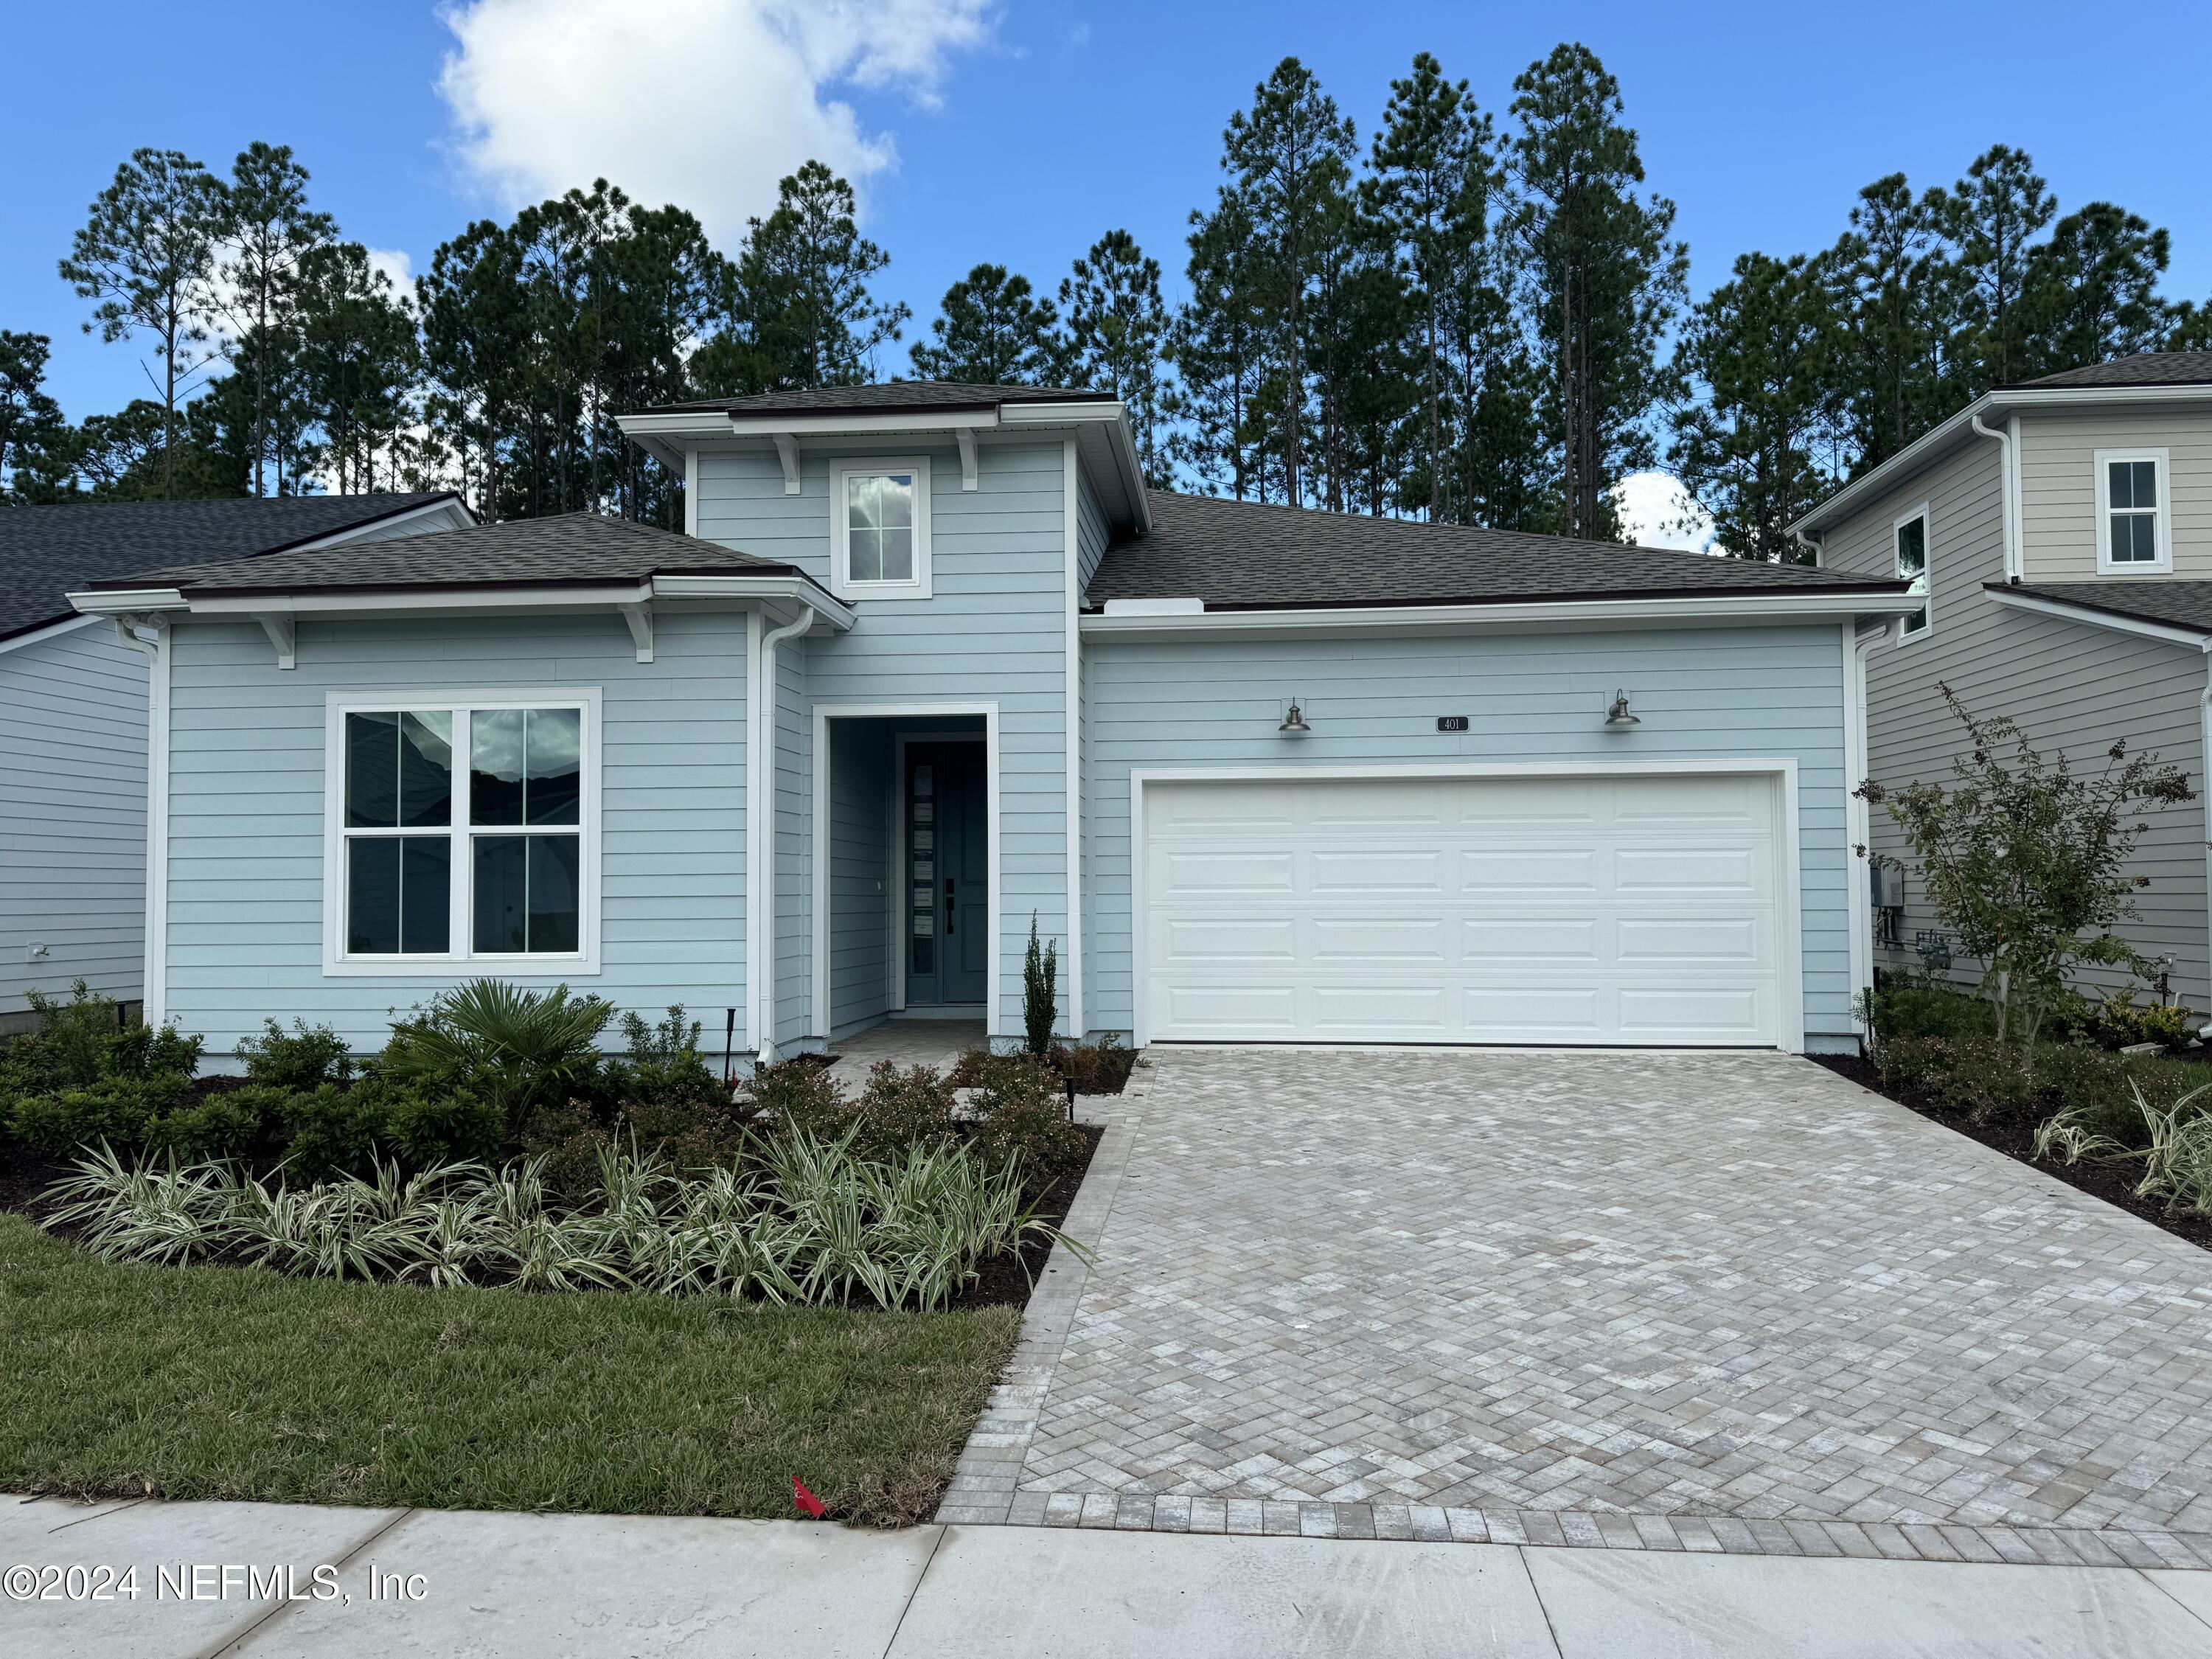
(2113, 1182)
(1006, 1280)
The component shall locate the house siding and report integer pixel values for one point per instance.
(2071, 688)
(1721, 693)
(73, 710)
(993, 632)
(2058, 487)
(246, 874)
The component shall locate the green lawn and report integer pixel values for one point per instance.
(238, 1384)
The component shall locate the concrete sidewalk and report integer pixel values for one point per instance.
(433, 1582)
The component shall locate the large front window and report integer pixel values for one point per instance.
(464, 830)
(880, 529)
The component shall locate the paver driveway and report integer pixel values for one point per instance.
(1601, 1286)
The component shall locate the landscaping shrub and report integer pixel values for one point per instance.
(1040, 991)
(1979, 1079)
(1910, 1005)
(897, 1111)
(304, 1058)
(521, 1049)
(1097, 1068)
(229, 1124)
(118, 1110)
(798, 1095)
(811, 1222)
(1019, 1110)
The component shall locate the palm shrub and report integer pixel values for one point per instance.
(1040, 991)
(522, 1050)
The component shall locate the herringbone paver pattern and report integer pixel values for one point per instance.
(1652, 1300)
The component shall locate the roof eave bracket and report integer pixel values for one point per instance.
(278, 626)
(640, 618)
(786, 451)
(967, 437)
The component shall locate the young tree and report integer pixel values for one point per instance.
(1758, 346)
(991, 329)
(146, 256)
(1117, 327)
(1607, 279)
(1429, 182)
(802, 304)
(2027, 863)
(267, 230)
(1992, 215)
(1291, 156)
(31, 424)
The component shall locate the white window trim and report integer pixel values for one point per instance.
(337, 963)
(2163, 565)
(841, 580)
(1928, 568)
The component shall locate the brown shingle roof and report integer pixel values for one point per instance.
(2146, 368)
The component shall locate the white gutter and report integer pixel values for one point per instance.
(1925, 447)
(760, 835)
(2165, 633)
(2010, 515)
(1787, 607)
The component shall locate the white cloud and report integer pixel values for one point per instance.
(1656, 510)
(396, 264)
(703, 103)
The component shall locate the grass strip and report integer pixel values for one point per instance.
(221, 1382)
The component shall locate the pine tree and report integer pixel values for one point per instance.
(1430, 178)
(1607, 278)
(1291, 156)
(147, 255)
(802, 307)
(357, 357)
(267, 230)
(1218, 345)
(32, 429)
(991, 329)
(1117, 326)
(1992, 216)
(2091, 290)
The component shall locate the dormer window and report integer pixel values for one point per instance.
(880, 529)
(2131, 517)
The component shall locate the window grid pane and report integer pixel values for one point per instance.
(528, 895)
(879, 519)
(398, 895)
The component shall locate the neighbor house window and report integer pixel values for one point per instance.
(880, 529)
(463, 831)
(1912, 533)
(2131, 515)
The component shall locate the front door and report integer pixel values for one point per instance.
(948, 873)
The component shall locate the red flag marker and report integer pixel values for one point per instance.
(806, 1501)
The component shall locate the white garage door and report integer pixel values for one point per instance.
(1622, 909)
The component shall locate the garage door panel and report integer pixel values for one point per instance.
(1690, 938)
(1379, 871)
(1522, 939)
(1202, 874)
(1231, 939)
(1569, 910)
(1379, 938)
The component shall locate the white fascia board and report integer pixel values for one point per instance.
(794, 590)
(1925, 449)
(1155, 607)
(47, 631)
(1483, 619)
(454, 511)
(125, 601)
(1115, 417)
(2036, 604)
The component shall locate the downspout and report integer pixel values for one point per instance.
(153, 988)
(1857, 817)
(760, 833)
(2010, 513)
(2204, 792)
(1810, 546)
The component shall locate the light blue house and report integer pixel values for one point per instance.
(932, 663)
(73, 710)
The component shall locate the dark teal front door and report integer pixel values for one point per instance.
(948, 853)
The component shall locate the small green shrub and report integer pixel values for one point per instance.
(1019, 1111)
(428, 1127)
(1911, 1004)
(115, 1111)
(306, 1057)
(897, 1111)
(331, 1130)
(799, 1095)
(230, 1124)
(1040, 991)
(1098, 1068)
(522, 1050)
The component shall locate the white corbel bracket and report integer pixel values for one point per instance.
(967, 436)
(277, 625)
(786, 451)
(640, 618)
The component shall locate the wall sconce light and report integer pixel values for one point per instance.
(1294, 721)
(1618, 714)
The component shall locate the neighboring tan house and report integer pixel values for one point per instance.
(73, 712)
(2062, 533)
(933, 662)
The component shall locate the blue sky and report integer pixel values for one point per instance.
(1017, 132)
